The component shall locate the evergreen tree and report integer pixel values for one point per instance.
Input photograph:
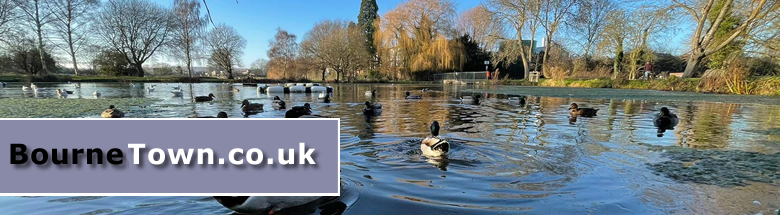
(368, 15)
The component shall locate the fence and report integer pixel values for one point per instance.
(468, 77)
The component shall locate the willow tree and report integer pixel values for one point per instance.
(704, 41)
(421, 35)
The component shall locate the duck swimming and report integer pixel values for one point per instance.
(470, 100)
(112, 112)
(326, 98)
(371, 110)
(371, 93)
(236, 90)
(298, 111)
(585, 112)
(517, 100)
(96, 93)
(178, 92)
(434, 146)
(278, 104)
(62, 93)
(665, 120)
(150, 89)
(208, 98)
(410, 96)
(247, 107)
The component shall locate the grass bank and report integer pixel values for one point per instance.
(122, 79)
(767, 86)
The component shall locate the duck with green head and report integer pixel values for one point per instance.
(372, 109)
(434, 146)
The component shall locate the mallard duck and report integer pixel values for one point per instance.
(371, 93)
(410, 96)
(208, 98)
(278, 104)
(177, 92)
(298, 111)
(62, 93)
(219, 115)
(236, 90)
(247, 107)
(370, 109)
(434, 145)
(470, 100)
(665, 119)
(112, 112)
(517, 100)
(96, 93)
(325, 99)
(586, 112)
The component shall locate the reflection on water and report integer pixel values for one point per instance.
(504, 157)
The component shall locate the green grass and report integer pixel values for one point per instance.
(65, 108)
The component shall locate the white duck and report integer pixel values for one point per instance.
(434, 146)
(178, 92)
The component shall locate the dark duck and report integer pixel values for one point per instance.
(372, 109)
(298, 111)
(584, 112)
(665, 120)
(278, 104)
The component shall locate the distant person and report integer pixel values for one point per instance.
(648, 70)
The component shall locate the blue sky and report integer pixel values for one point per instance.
(257, 20)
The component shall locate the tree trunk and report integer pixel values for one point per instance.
(230, 72)
(616, 65)
(693, 64)
(73, 54)
(323, 74)
(139, 70)
(40, 38)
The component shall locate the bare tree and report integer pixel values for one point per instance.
(553, 12)
(135, 28)
(227, 47)
(614, 37)
(589, 20)
(517, 13)
(259, 67)
(190, 26)
(70, 20)
(480, 23)
(704, 41)
(7, 15)
(36, 17)
(336, 46)
(283, 50)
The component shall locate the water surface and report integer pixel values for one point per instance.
(505, 158)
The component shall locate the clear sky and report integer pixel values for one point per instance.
(257, 20)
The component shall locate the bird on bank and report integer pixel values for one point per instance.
(112, 112)
(208, 98)
(470, 100)
(665, 119)
(409, 95)
(247, 107)
(298, 111)
(372, 109)
(520, 100)
(434, 146)
(278, 104)
(177, 92)
(576, 111)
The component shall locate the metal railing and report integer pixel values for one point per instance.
(461, 76)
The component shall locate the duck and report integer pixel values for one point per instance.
(322, 95)
(112, 112)
(68, 91)
(236, 90)
(150, 89)
(208, 98)
(517, 100)
(298, 111)
(62, 93)
(410, 96)
(219, 115)
(370, 109)
(326, 98)
(178, 92)
(665, 119)
(470, 100)
(371, 93)
(434, 146)
(268, 204)
(586, 112)
(278, 104)
(247, 107)
(96, 93)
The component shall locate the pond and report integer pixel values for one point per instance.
(722, 158)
